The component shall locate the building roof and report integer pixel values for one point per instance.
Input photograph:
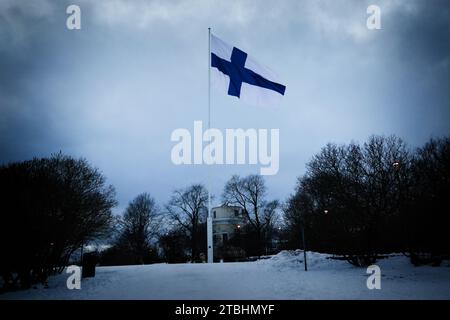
(227, 206)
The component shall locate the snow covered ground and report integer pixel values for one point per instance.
(280, 277)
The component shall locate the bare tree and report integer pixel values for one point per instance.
(427, 219)
(140, 225)
(270, 214)
(54, 206)
(352, 196)
(249, 193)
(272, 221)
(188, 209)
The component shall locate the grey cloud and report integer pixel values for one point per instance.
(114, 91)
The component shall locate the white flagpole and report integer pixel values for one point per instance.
(209, 225)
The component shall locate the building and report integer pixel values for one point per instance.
(227, 222)
(228, 226)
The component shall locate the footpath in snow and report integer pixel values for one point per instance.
(280, 277)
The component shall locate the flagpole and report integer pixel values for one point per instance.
(209, 226)
(209, 78)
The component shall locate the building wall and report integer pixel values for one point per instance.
(226, 222)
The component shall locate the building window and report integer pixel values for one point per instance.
(214, 214)
(236, 213)
(225, 237)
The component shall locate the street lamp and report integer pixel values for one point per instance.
(304, 244)
(325, 211)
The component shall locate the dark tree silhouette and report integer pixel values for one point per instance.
(139, 227)
(187, 208)
(250, 193)
(427, 219)
(50, 207)
(351, 197)
(175, 245)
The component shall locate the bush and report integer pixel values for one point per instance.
(50, 207)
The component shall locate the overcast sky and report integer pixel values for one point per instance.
(114, 91)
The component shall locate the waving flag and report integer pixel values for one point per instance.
(237, 74)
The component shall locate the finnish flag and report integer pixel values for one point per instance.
(234, 72)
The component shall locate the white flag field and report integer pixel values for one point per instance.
(237, 74)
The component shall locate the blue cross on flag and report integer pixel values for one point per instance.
(234, 72)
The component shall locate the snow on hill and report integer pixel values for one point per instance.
(279, 277)
(294, 259)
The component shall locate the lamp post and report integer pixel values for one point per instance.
(304, 245)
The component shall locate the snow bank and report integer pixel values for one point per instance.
(289, 259)
(279, 277)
